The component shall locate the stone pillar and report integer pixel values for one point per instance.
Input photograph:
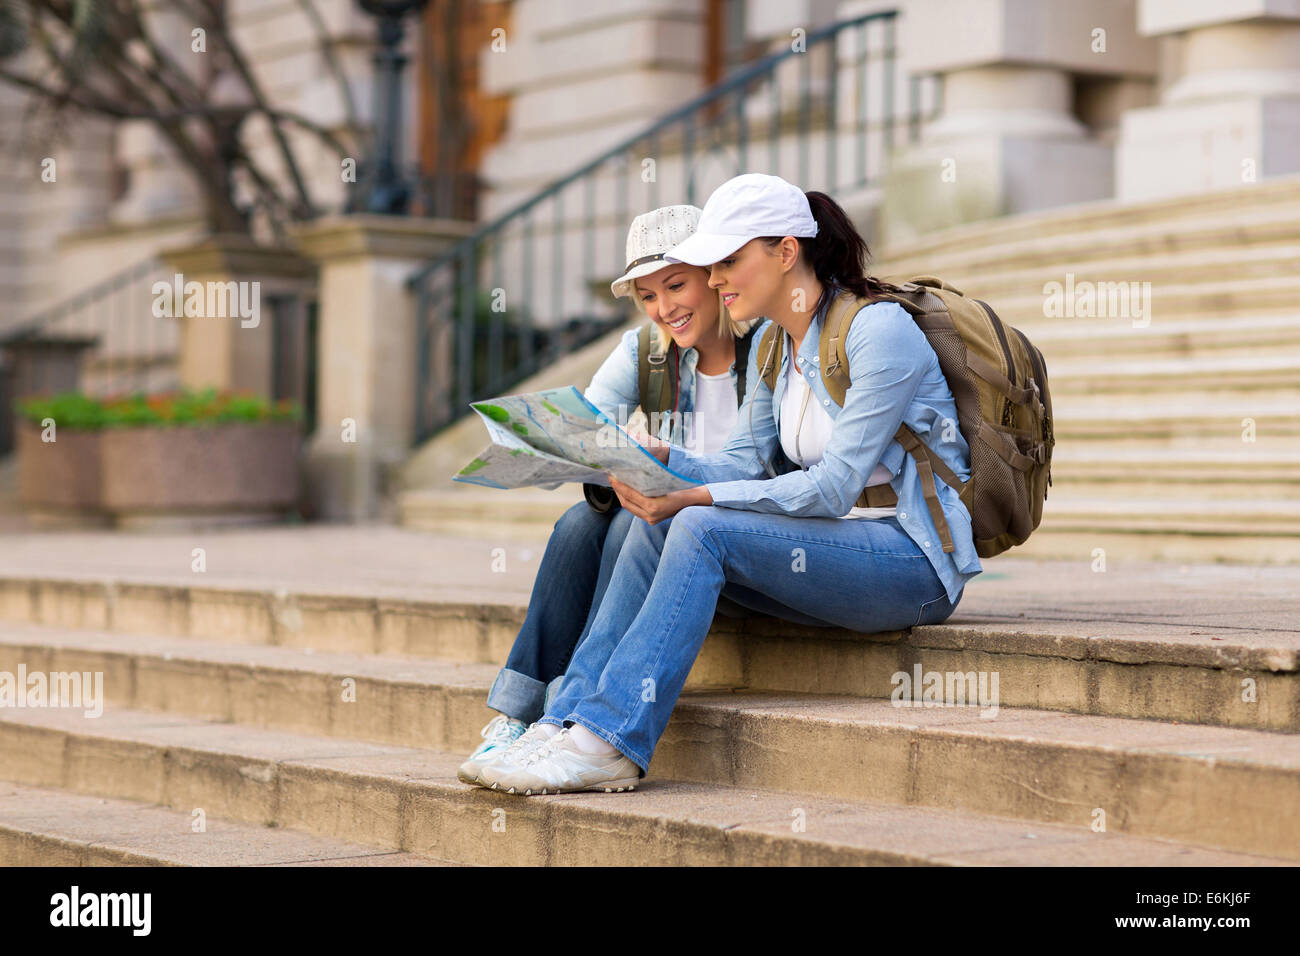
(229, 347)
(366, 354)
(1009, 138)
(1230, 114)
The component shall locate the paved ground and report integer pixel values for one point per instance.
(1244, 605)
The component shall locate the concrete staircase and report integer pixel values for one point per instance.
(1150, 461)
(1151, 409)
(314, 728)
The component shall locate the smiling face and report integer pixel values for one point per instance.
(751, 280)
(678, 299)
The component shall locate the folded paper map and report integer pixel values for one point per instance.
(552, 437)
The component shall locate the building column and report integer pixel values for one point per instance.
(366, 354)
(1009, 138)
(1231, 113)
(226, 340)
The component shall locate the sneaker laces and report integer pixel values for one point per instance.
(547, 749)
(499, 730)
(528, 738)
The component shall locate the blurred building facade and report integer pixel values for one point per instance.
(1045, 103)
(523, 118)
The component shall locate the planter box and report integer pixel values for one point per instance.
(64, 475)
(208, 469)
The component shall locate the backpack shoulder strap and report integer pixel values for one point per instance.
(769, 355)
(742, 364)
(833, 345)
(652, 364)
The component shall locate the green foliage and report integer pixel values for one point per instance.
(184, 408)
(71, 410)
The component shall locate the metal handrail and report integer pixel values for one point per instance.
(481, 345)
(112, 314)
(735, 82)
(100, 290)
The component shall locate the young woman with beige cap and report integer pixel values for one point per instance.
(791, 545)
(700, 344)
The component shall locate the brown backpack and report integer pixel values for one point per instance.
(1004, 410)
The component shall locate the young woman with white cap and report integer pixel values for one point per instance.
(700, 343)
(791, 545)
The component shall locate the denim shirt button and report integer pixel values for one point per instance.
(927, 544)
(826, 401)
(902, 514)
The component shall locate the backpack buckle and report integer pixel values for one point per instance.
(657, 359)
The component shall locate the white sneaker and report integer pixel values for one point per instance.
(501, 731)
(561, 766)
(501, 757)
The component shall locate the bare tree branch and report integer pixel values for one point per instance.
(104, 59)
(332, 61)
(49, 93)
(217, 21)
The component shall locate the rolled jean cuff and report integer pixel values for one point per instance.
(517, 695)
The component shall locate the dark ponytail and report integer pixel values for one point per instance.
(838, 254)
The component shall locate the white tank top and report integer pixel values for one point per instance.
(715, 413)
(805, 444)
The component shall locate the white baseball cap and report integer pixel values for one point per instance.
(741, 209)
(651, 236)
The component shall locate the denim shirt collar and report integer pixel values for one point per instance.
(810, 367)
(689, 361)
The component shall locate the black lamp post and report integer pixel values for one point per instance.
(385, 189)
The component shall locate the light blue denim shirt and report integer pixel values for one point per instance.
(615, 384)
(894, 378)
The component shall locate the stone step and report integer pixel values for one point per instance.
(1276, 376)
(1140, 514)
(1066, 339)
(992, 281)
(1156, 483)
(1143, 665)
(1219, 515)
(749, 739)
(1053, 543)
(409, 800)
(1166, 420)
(1063, 232)
(1198, 297)
(1272, 459)
(461, 510)
(1256, 230)
(1198, 389)
(1136, 472)
(1162, 539)
(40, 826)
(1160, 526)
(1179, 523)
(441, 702)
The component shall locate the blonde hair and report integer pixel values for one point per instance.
(726, 325)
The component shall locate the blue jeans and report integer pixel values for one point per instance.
(573, 577)
(623, 681)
